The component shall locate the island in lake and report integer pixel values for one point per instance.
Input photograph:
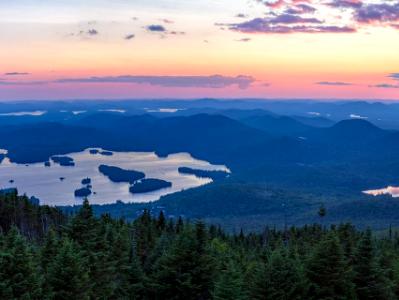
(149, 185)
(94, 151)
(116, 174)
(64, 161)
(86, 181)
(107, 153)
(82, 192)
(214, 175)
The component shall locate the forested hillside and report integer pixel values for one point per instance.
(274, 160)
(85, 257)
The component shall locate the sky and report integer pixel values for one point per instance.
(118, 49)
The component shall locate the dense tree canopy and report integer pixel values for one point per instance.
(87, 257)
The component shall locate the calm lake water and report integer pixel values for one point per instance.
(45, 184)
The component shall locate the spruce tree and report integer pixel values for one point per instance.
(368, 278)
(136, 280)
(229, 284)
(67, 275)
(185, 271)
(281, 278)
(82, 226)
(127, 271)
(161, 222)
(49, 248)
(328, 273)
(19, 274)
(101, 262)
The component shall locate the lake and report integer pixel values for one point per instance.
(44, 182)
(390, 190)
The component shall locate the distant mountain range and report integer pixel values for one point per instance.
(319, 113)
(300, 160)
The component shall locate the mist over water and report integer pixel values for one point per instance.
(390, 190)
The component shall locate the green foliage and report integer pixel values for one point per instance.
(87, 257)
(281, 277)
(67, 274)
(229, 284)
(368, 275)
(19, 274)
(328, 272)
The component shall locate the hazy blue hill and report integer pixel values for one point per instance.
(354, 130)
(277, 125)
(351, 140)
(314, 121)
(107, 120)
(37, 142)
(212, 137)
(207, 136)
(239, 114)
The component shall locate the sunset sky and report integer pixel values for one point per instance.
(102, 49)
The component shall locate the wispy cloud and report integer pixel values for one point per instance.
(278, 26)
(378, 13)
(16, 83)
(129, 36)
(295, 16)
(394, 76)
(345, 3)
(16, 73)
(300, 9)
(244, 40)
(334, 83)
(89, 33)
(292, 19)
(167, 21)
(156, 28)
(212, 81)
(92, 32)
(385, 86)
(163, 31)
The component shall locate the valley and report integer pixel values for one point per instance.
(282, 167)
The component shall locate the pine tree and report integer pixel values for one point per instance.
(19, 275)
(229, 284)
(101, 262)
(368, 278)
(185, 271)
(328, 272)
(128, 276)
(281, 278)
(49, 248)
(82, 226)
(67, 275)
(179, 225)
(136, 279)
(161, 222)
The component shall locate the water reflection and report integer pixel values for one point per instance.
(390, 190)
(44, 182)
